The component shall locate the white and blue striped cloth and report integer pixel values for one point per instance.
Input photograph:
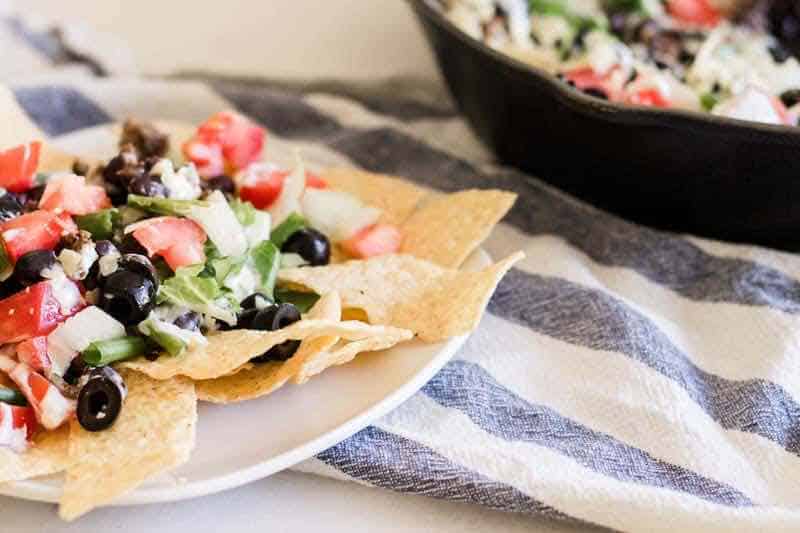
(622, 377)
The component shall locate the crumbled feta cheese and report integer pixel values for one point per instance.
(183, 184)
(76, 265)
(108, 264)
(290, 260)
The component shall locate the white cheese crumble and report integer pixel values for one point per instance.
(77, 264)
(183, 184)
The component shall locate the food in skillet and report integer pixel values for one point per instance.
(134, 287)
(733, 58)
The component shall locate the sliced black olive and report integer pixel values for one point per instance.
(245, 319)
(128, 296)
(597, 93)
(274, 318)
(147, 186)
(105, 248)
(28, 269)
(9, 287)
(310, 244)
(10, 207)
(129, 245)
(32, 198)
(189, 320)
(220, 183)
(75, 370)
(100, 399)
(139, 264)
(257, 300)
(790, 97)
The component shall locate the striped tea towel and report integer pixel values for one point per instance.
(623, 377)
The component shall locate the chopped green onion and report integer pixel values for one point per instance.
(100, 224)
(267, 260)
(14, 397)
(41, 178)
(285, 229)
(164, 206)
(172, 344)
(101, 353)
(708, 101)
(303, 301)
(6, 267)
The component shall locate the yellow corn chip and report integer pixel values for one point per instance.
(397, 198)
(342, 353)
(262, 379)
(449, 227)
(48, 454)
(229, 350)
(155, 431)
(314, 355)
(406, 292)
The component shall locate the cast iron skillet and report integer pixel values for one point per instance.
(671, 169)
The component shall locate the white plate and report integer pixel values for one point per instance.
(240, 443)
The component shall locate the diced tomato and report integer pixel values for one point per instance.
(586, 78)
(17, 426)
(52, 408)
(262, 187)
(786, 117)
(315, 182)
(378, 239)
(649, 97)
(33, 352)
(39, 230)
(178, 240)
(35, 311)
(696, 12)
(206, 157)
(69, 193)
(18, 166)
(239, 140)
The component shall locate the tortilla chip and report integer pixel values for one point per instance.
(449, 227)
(314, 355)
(406, 292)
(48, 454)
(397, 198)
(229, 350)
(154, 432)
(262, 379)
(340, 354)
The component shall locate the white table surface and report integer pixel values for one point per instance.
(300, 39)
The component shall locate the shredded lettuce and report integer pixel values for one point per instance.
(245, 211)
(198, 293)
(220, 224)
(165, 206)
(100, 224)
(267, 261)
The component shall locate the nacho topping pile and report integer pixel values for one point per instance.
(132, 288)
